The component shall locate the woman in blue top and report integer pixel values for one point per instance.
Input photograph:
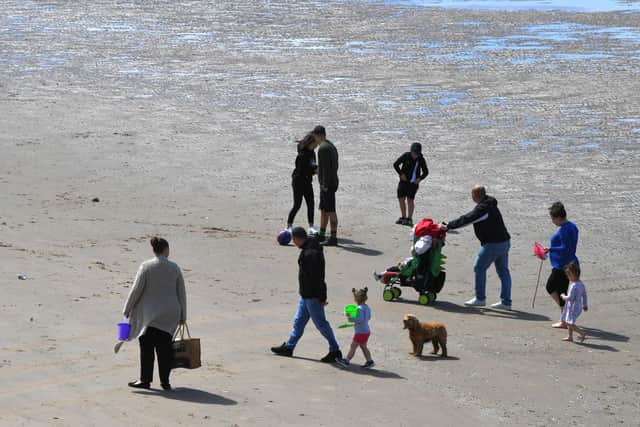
(561, 252)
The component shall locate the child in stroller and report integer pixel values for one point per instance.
(423, 271)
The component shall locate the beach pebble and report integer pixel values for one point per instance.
(22, 276)
(95, 200)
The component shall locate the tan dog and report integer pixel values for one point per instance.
(420, 333)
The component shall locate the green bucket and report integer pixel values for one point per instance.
(351, 310)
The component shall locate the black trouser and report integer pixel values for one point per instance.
(300, 190)
(160, 341)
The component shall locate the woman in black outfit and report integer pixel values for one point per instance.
(301, 179)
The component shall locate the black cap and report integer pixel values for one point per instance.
(416, 147)
(319, 130)
(299, 233)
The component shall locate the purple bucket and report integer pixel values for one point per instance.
(123, 331)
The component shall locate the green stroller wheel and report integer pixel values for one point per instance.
(423, 299)
(387, 295)
(396, 292)
(432, 296)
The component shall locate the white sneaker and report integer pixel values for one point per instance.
(289, 229)
(475, 302)
(500, 306)
(312, 231)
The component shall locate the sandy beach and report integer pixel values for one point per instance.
(179, 119)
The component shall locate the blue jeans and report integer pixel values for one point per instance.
(490, 253)
(314, 309)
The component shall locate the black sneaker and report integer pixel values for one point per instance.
(408, 221)
(400, 220)
(283, 350)
(166, 386)
(332, 356)
(368, 364)
(140, 384)
(331, 241)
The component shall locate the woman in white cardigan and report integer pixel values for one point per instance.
(156, 304)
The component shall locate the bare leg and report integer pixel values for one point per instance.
(570, 336)
(352, 350)
(561, 324)
(410, 206)
(324, 220)
(333, 219)
(365, 351)
(403, 207)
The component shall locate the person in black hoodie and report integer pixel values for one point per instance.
(495, 243)
(412, 169)
(301, 180)
(313, 297)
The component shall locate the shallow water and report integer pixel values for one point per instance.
(562, 5)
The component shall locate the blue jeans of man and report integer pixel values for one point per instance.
(498, 254)
(311, 308)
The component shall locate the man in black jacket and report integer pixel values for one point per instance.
(495, 243)
(313, 297)
(412, 169)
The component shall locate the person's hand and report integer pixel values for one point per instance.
(403, 177)
(563, 296)
(546, 250)
(443, 226)
(585, 308)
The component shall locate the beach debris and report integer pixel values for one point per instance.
(22, 276)
(95, 200)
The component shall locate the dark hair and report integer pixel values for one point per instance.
(159, 245)
(306, 141)
(557, 210)
(573, 268)
(299, 233)
(319, 130)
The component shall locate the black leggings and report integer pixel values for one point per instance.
(300, 190)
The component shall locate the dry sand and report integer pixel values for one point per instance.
(180, 118)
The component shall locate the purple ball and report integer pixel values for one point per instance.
(284, 237)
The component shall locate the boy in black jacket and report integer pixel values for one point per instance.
(313, 297)
(412, 168)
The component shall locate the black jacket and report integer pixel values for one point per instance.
(328, 166)
(311, 273)
(405, 164)
(487, 222)
(305, 166)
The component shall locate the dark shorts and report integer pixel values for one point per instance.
(558, 282)
(407, 189)
(327, 201)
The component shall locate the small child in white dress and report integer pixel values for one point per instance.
(575, 301)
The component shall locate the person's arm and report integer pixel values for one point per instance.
(568, 242)
(585, 305)
(324, 164)
(397, 163)
(182, 297)
(424, 170)
(135, 292)
(359, 317)
(479, 213)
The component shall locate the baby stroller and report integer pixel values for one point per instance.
(424, 271)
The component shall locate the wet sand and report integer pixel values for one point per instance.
(180, 117)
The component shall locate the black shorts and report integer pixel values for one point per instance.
(558, 282)
(327, 201)
(407, 189)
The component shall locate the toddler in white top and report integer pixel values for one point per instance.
(575, 301)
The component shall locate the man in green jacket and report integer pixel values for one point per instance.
(328, 178)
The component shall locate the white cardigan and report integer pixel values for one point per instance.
(157, 298)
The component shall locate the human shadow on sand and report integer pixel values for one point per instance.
(604, 335)
(357, 248)
(455, 308)
(593, 346)
(355, 369)
(192, 395)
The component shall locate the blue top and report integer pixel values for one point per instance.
(563, 245)
(362, 319)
